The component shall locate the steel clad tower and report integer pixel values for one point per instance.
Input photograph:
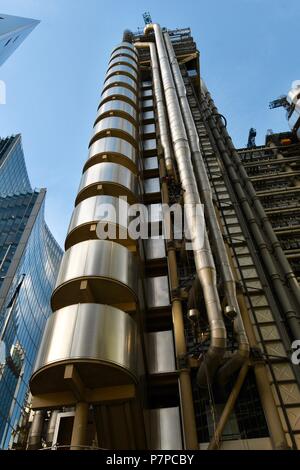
(167, 341)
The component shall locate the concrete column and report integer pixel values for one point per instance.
(80, 426)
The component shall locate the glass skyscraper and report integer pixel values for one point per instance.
(13, 31)
(29, 261)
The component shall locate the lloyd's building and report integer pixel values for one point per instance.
(152, 345)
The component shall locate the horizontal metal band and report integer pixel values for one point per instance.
(124, 52)
(112, 149)
(123, 60)
(115, 126)
(108, 178)
(117, 93)
(125, 45)
(119, 108)
(121, 80)
(124, 69)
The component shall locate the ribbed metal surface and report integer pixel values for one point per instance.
(117, 125)
(125, 45)
(123, 60)
(118, 92)
(115, 178)
(119, 80)
(124, 52)
(119, 150)
(125, 69)
(89, 333)
(117, 106)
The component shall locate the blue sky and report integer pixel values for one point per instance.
(249, 56)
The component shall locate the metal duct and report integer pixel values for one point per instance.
(242, 353)
(161, 111)
(202, 252)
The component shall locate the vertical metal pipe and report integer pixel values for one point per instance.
(185, 387)
(215, 229)
(202, 252)
(161, 111)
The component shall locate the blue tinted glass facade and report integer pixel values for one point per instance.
(13, 173)
(13, 31)
(29, 262)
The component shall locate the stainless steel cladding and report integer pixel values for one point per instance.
(119, 92)
(157, 292)
(115, 125)
(99, 338)
(122, 69)
(117, 106)
(161, 356)
(165, 429)
(109, 270)
(123, 60)
(108, 178)
(120, 80)
(113, 149)
(126, 45)
(124, 52)
(105, 210)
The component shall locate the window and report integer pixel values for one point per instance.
(16, 39)
(7, 42)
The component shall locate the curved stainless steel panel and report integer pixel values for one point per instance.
(105, 209)
(117, 179)
(119, 80)
(89, 333)
(124, 51)
(165, 429)
(125, 45)
(117, 91)
(125, 69)
(118, 125)
(117, 106)
(113, 149)
(123, 60)
(157, 291)
(109, 268)
(160, 352)
(152, 185)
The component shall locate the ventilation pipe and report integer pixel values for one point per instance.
(202, 252)
(242, 354)
(161, 111)
(187, 408)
